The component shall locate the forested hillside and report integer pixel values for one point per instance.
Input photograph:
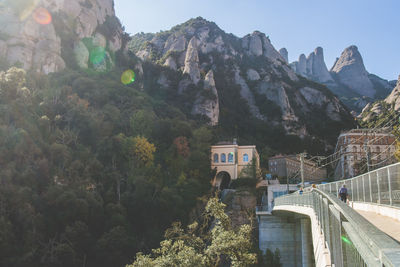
(92, 171)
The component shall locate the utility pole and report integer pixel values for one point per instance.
(302, 155)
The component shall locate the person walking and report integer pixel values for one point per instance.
(343, 193)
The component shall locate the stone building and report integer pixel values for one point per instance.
(229, 159)
(289, 166)
(355, 146)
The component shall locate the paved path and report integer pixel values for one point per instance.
(386, 224)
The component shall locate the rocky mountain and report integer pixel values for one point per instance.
(48, 35)
(347, 79)
(216, 67)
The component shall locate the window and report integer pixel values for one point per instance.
(230, 157)
(246, 158)
(223, 157)
(215, 158)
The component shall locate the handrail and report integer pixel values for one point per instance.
(380, 186)
(339, 222)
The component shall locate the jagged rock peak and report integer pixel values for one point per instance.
(313, 67)
(349, 57)
(284, 53)
(258, 44)
(350, 71)
(318, 69)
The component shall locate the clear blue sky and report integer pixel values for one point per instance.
(298, 25)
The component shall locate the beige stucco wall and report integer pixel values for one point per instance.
(233, 168)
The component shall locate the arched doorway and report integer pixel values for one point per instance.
(223, 180)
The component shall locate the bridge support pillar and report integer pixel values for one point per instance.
(306, 243)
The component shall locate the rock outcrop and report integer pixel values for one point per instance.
(284, 53)
(317, 67)
(207, 102)
(257, 44)
(350, 71)
(382, 108)
(313, 67)
(239, 204)
(33, 36)
(394, 97)
(247, 95)
(192, 61)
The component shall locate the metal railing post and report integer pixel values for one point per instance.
(370, 187)
(379, 189)
(363, 183)
(390, 187)
(358, 190)
(337, 188)
(352, 188)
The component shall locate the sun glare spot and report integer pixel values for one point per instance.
(42, 16)
(128, 77)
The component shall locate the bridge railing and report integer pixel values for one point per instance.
(350, 238)
(381, 186)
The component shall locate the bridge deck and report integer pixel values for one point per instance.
(386, 224)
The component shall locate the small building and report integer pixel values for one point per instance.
(229, 159)
(273, 189)
(289, 166)
(356, 147)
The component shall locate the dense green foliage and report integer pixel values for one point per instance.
(92, 171)
(197, 246)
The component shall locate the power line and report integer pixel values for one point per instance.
(370, 130)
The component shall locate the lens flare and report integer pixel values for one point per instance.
(128, 77)
(346, 240)
(42, 16)
(97, 55)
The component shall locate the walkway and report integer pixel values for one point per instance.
(386, 224)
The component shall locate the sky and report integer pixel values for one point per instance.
(298, 25)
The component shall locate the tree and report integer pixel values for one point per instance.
(142, 122)
(198, 245)
(143, 151)
(182, 146)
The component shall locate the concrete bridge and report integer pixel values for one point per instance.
(329, 232)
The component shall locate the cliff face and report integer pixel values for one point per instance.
(348, 78)
(248, 66)
(36, 32)
(240, 204)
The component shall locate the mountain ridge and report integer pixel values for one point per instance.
(347, 78)
(251, 64)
